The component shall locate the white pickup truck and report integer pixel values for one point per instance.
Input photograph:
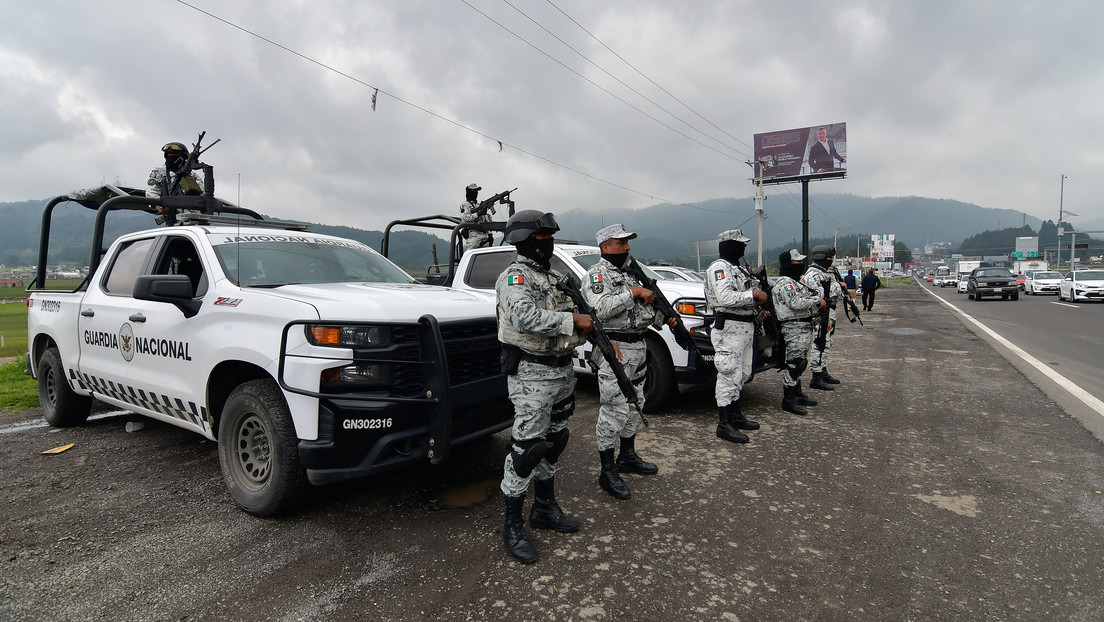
(669, 368)
(308, 358)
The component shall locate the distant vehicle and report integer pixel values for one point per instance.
(941, 273)
(675, 273)
(992, 282)
(1082, 285)
(1039, 282)
(963, 281)
(949, 280)
(1021, 279)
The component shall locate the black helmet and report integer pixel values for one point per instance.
(822, 252)
(176, 156)
(527, 222)
(174, 149)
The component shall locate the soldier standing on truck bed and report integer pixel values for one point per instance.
(731, 296)
(539, 330)
(626, 311)
(162, 177)
(472, 214)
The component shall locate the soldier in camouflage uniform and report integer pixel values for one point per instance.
(161, 178)
(625, 310)
(539, 331)
(731, 295)
(795, 306)
(469, 213)
(819, 274)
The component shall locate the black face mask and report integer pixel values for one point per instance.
(732, 251)
(174, 163)
(790, 269)
(540, 251)
(825, 263)
(617, 260)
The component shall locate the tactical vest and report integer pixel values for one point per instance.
(554, 300)
(782, 308)
(613, 282)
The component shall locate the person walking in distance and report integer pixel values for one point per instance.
(796, 306)
(539, 330)
(731, 296)
(820, 277)
(870, 284)
(624, 308)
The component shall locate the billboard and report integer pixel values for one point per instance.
(820, 150)
(882, 246)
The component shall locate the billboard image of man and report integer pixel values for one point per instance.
(823, 154)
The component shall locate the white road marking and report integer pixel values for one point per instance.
(23, 426)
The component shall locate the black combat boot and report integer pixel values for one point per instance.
(802, 399)
(726, 430)
(818, 382)
(829, 378)
(610, 478)
(790, 403)
(546, 513)
(738, 420)
(629, 462)
(514, 534)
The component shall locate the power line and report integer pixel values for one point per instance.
(378, 91)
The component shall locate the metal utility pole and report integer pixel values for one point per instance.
(1058, 247)
(763, 163)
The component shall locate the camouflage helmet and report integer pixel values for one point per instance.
(527, 222)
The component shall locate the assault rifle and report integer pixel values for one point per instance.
(682, 334)
(770, 317)
(488, 204)
(192, 164)
(849, 307)
(821, 339)
(571, 286)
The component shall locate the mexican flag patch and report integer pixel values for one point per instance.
(596, 278)
(718, 275)
(515, 279)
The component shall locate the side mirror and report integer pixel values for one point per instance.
(175, 289)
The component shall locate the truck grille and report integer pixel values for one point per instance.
(471, 350)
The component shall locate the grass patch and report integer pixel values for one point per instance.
(17, 391)
(13, 329)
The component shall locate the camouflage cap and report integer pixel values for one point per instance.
(796, 256)
(613, 232)
(734, 235)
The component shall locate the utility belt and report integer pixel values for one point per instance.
(803, 320)
(625, 337)
(512, 355)
(722, 317)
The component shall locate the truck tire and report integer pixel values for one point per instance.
(257, 450)
(659, 376)
(61, 406)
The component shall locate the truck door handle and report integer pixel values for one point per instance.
(87, 312)
(138, 317)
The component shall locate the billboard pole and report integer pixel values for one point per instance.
(805, 216)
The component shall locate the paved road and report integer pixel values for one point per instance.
(936, 484)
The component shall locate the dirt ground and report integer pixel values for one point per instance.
(896, 499)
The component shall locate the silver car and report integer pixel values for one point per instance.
(1039, 282)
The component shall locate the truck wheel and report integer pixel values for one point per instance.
(1015, 296)
(61, 406)
(257, 450)
(659, 377)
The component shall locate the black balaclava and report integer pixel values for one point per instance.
(732, 251)
(471, 193)
(540, 251)
(618, 260)
(175, 161)
(786, 267)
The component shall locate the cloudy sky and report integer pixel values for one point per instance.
(597, 105)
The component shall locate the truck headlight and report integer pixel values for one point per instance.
(349, 336)
(356, 375)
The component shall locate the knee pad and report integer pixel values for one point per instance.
(796, 367)
(558, 441)
(532, 452)
(563, 409)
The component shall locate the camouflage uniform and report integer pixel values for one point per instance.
(470, 215)
(190, 185)
(626, 319)
(796, 308)
(537, 318)
(814, 279)
(728, 290)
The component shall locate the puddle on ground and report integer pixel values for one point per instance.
(905, 331)
(468, 496)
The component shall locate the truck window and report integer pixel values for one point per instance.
(180, 257)
(485, 269)
(126, 267)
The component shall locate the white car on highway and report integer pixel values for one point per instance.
(963, 280)
(1039, 282)
(675, 273)
(1082, 285)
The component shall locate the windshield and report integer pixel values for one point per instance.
(1046, 275)
(272, 260)
(995, 272)
(1090, 276)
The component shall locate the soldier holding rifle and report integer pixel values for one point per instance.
(626, 310)
(796, 305)
(820, 277)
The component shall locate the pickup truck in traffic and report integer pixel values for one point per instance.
(307, 358)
